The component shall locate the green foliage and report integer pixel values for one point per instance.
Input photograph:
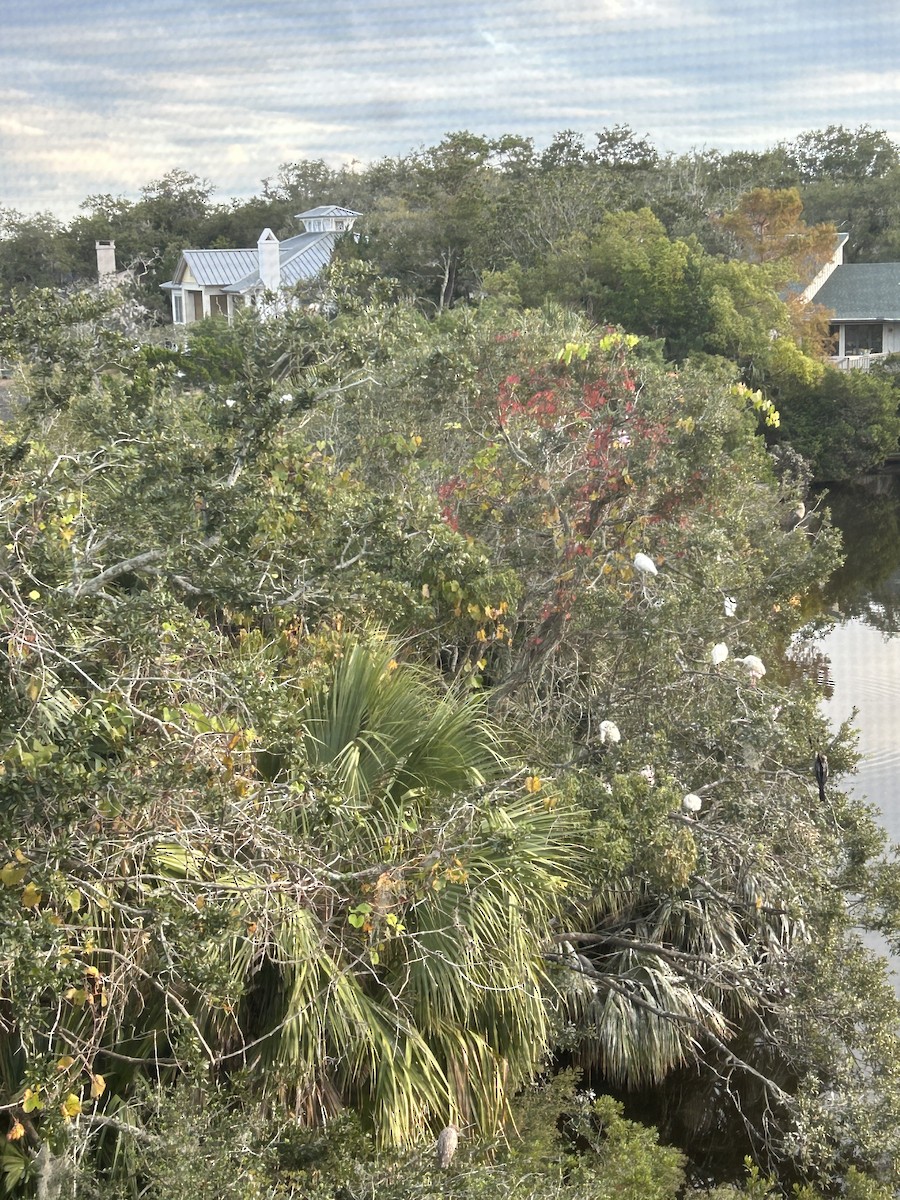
(344, 740)
(845, 423)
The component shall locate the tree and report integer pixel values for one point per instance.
(846, 423)
(256, 818)
(838, 153)
(768, 228)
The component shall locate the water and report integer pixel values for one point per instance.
(860, 663)
(863, 647)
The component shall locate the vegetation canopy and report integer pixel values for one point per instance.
(406, 723)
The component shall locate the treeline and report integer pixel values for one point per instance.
(472, 204)
(699, 253)
(396, 736)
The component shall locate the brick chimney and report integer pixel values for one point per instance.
(106, 261)
(269, 260)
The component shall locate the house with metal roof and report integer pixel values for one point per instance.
(216, 282)
(863, 300)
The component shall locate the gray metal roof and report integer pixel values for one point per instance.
(215, 267)
(302, 257)
(862, 292)
(328, 210)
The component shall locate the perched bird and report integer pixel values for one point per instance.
(609, 732)
(448, 1140)
(821, 769)
(691, 804)
(730, 606)
(645, 564)
(719, 653)
(755, 668)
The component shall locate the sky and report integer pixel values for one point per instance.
(103, 97)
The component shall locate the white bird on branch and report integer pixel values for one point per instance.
(755, 668)
(609, 732)
(691, 804)
(644, 564)
(719, 653)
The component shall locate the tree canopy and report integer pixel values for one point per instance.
(400, 728)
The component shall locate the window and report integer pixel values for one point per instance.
(177, 308)
(862, 339)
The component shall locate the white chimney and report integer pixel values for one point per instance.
(269, 260)
(106, 261)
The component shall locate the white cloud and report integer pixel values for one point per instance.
(105, 97)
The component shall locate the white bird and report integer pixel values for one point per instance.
(609, 732)
(645, 564)
(649, 774)
(730, 606)
(755, 668)
(719, 653)
(691, 803)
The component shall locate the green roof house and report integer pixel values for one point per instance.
(863, 300)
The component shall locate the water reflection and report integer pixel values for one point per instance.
(863, 647)
(865, 672)
(860, 653)
(867, 586)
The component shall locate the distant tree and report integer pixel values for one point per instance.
(620, 148)
(768, 227)
(35, 251)
(842, 154)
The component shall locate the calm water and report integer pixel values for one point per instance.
(863, 647)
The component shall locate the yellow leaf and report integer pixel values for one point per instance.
(98, 1086)
(31, 1101)
(11, 875)
(73, 899)
(20, 857)
(17, 1131)
(93, 972)
(70, 1107)
(31, 896)
(533, 783)
(65, 1062)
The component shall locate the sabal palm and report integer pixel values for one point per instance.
(365, 930)
(399, 970)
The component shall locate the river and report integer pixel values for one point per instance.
(860, 653)
(862, 648)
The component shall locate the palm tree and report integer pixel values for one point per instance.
(393, 894)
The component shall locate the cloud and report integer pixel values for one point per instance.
(106, 96)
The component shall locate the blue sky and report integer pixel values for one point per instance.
(98, 96)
